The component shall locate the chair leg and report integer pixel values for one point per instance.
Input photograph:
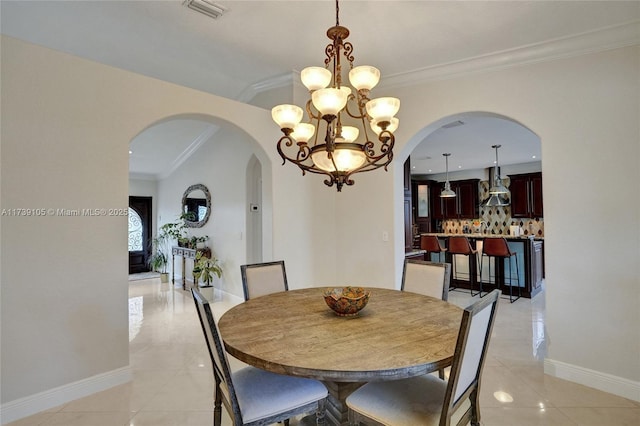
(511, 299)
(320, 412)
(453, 272)
(480, 279)
(481, 262)
(217, 410)
(475, 408)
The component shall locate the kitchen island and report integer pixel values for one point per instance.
(530, 270)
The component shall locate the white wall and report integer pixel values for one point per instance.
(219, 164)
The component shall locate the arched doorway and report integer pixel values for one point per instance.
(230, 164)
(472, 139)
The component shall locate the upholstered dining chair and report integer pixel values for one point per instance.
(428, 278)
(250, 395)
(260, 279)
(427, 400)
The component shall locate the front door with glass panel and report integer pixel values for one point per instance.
(139, 234)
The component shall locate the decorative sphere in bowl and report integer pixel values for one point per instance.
(347, 301)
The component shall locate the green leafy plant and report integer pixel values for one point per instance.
(206, 268)
(161, 245)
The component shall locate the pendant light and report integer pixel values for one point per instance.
(447, 192)
(498, 187)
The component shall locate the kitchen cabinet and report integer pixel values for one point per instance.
(463, 206)
(526, 195)
(421, 202)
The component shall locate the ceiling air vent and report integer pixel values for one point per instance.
(206, 7)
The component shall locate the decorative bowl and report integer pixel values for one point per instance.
(347, 301)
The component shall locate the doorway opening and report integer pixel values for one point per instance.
(139, 240)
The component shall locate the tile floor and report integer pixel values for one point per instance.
(172, 382)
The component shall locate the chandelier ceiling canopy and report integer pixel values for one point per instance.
(358, 131)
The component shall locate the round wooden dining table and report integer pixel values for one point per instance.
(397, 335)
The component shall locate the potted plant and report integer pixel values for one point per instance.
(206, 268)
(159, 260)
(161, 247)
(199, 242)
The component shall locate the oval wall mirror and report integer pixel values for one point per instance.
(196, 206)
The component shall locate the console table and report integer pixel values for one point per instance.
(185, 253)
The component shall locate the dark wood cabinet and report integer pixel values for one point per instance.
(526, 195)
(463, 206)
(421, 193)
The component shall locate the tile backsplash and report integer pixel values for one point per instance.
(497, 219)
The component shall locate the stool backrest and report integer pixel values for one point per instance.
(430, 243)
(460, 245)
(496, 247)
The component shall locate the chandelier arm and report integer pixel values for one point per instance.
(330, 51)
(362, 114)
(348, 52)
(288, 142)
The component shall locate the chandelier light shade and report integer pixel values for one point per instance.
(287, 116)
(498, 187)
(315, 78)
(345, 132)
(447, 192)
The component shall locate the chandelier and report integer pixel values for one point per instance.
(345, 115)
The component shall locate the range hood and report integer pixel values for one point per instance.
(495, 200)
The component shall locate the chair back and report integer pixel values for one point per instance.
(219, 360)
(430, 243)
(260, 279)
(460, 245)
(468, 359)
(428, 278)
(496, 247)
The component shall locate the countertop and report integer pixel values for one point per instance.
(478, 235)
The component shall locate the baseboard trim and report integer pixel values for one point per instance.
(23, 407)
(594, 379)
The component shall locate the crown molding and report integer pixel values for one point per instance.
(193, 147)
(580, 44)
(607, 38)
(248, 93)
(143, 176)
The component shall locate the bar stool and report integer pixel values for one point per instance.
(431, 244)
(461, 245)
(498, 248)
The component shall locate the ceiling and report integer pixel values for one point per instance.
(255, 43)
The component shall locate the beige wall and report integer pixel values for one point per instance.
(585, 111)
(66, 126)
